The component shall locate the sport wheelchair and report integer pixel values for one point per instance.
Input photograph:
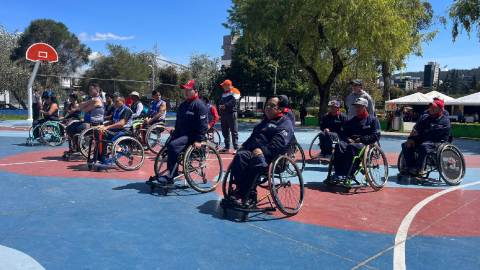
(282, 181)
(125, 151)
(371, 162)
(213, 137)
(202, 169)
(153, 138)
(314, 149)
(447, 159)
(52, 133)
(296, 154)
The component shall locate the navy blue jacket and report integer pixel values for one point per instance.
(333, 122)
(230, 104)
(432, 129)
(191, 120)
(273, 137)
(367, 129)
(291, 117)
(444, 112)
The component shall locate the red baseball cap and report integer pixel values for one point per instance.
(438, 103)
(227, 82)
(190, 85)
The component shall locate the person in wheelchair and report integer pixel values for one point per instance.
(330, 127)
(358, 131)
(158, 110)
(190, 128)
(94, 115)
(137, 106)
(288, 112)
(429, 131)
(212, 112)
(272, 136)
(72, 111)
(445, 112)
(122, 123)
(49, 111)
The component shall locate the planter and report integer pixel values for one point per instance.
(311, 121)
(465, 130)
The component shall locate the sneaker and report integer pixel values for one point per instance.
(338, 176)
(235, 152)
(162, 180)
(415, 171)
(321, 156)
(236, 199)
(405, 170)
(327, 156)
(224, 150)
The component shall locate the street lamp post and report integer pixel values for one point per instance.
(275, 85)
(153, 76)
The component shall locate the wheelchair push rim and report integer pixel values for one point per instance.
(156, 138)
(51, 133)
(451, 165)
(203, 168)
(128, 153)
(84, 141)
(314, 150)
(376, 167)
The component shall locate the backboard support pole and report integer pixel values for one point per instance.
(30, 90)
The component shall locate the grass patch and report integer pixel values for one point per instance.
(13, 117)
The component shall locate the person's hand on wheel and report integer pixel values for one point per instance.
(409, 143)
(257, 152)
(197, 145)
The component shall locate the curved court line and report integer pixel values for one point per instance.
(13, 259)
(402, 233)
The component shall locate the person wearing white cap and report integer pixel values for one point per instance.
(330, 127)
(137, 106)
(359, 130)
(357, 92)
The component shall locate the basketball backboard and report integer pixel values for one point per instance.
(42, 52)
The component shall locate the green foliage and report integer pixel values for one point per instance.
(396, 93)
(313, 112)
(465, 15)
(205, 71)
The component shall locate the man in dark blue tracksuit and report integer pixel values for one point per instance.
(330, 127)
(445, 112)
(190, 127)
(429, 131)
(358, 131)
(270, 137)
(288, 112)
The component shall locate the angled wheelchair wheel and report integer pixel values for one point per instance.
(228, 186)
(160, 165)
(203, 168)
(296, 154)
(400, 162)
(376, 166)
(53, 133)
(128, 153)
(314, 150)
(84, 142)
(213, 137)
(451, 165)
(156, 137)
(287, 189)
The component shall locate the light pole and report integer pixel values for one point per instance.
(275, 85)
(153, 76)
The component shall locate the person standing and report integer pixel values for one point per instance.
(460, 116)
(389, 121)
(37, 104)
(228, 112)
(303, 113)
(357, 92)
(212, 113)
(137, 106)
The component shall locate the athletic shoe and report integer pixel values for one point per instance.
(235, 152)
(321, 156)
(337, 176)
(236, 199)
(415, 171)
(224, 150)
(162, 180)
(405, 170)
(327, 157)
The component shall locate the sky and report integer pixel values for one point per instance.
(182, 27)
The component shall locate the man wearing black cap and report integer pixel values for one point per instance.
(429, 131)
(357, 92)
(190, 128)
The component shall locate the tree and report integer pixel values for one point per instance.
(465, 15)
(397, 93)
(325, 37)
(205, 70)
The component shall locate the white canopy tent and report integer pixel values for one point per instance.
(470, 100)
(413, 99)
(444, 97)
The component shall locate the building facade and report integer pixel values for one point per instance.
(227, 47)
(431, 73)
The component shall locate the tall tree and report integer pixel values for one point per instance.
(465, 15)
(325, 36)
(205, 70)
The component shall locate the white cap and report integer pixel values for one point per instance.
(135, 93)
(361, 101)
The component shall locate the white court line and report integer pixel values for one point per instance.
(27, 162)
(401, 237)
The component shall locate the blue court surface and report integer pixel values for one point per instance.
(55, 214)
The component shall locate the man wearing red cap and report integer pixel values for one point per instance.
(445, 112)
(228, 113)
(190, 128)
(429, 131)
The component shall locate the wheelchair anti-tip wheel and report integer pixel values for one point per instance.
(314, 150)
(156, 137)
(376, 166)
(286, 188)
(53, 133)
(451, 165)
(128, 153)
(203, 168)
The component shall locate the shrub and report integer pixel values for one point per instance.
(313, 111)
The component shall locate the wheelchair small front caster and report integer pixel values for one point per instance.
(245, 217)
(224, 211)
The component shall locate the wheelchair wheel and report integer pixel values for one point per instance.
(451, 165)
(287, 189)
(160, 166)
(84, 142)
(296, 154)
(314, 150)
(157, 136)
(53, 133)
(203, 168)
(226, 182)
(128, 153)
(376, 166)
(213, 137)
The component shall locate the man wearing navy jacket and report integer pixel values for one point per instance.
(429, 131)
(272, 136)
(359, 130)
(190, 127)
(288, 111)
(330, 127)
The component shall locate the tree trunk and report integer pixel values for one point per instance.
(20, 100)
(386, 81)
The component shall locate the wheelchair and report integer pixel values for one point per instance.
(314, 150)
(202, 169)
(281, 182)
(447, 159)
(84, 139)
(52, 133)
(153, 138)
(125, 151)
(213, 137)
(371, 163)
(296, 154)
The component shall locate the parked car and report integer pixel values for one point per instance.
(7, 107)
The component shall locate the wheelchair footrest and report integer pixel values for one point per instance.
(247, 208)
(102, 166)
